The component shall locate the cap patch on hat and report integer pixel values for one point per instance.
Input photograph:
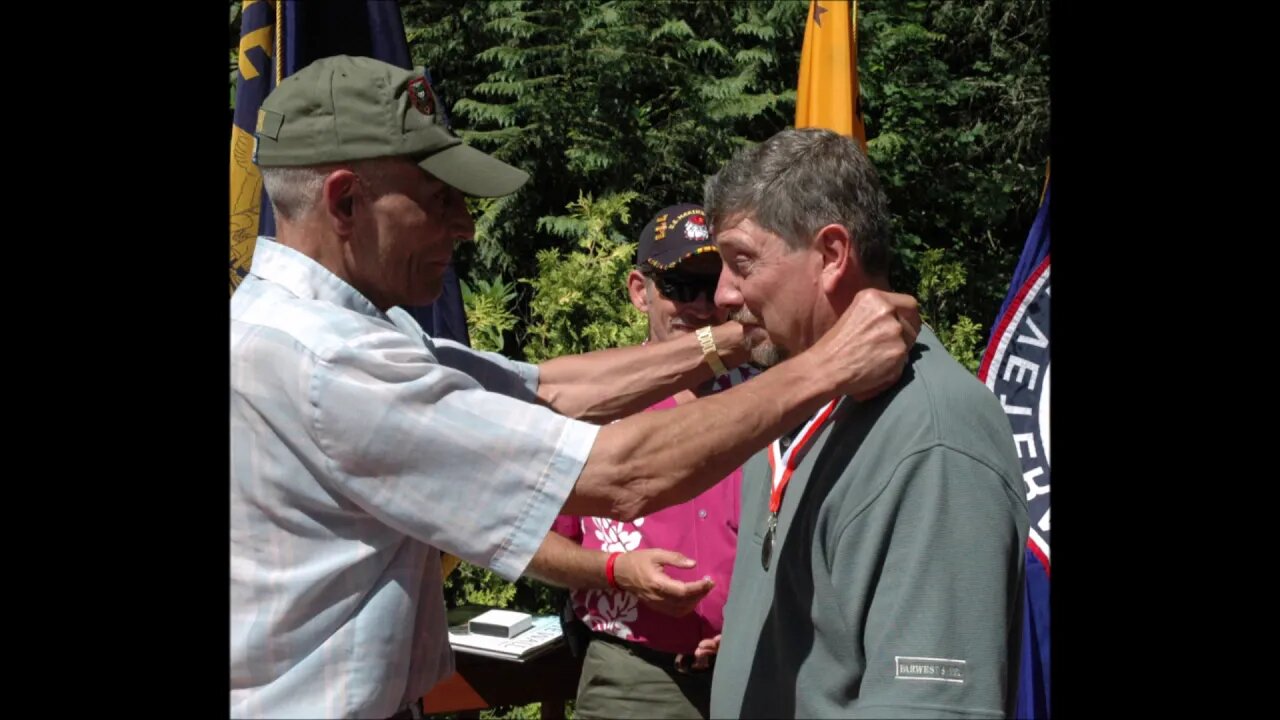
(696, 229)
(421, 95)
(660, 230)
(269, 124)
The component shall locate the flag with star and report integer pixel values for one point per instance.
(827, 92)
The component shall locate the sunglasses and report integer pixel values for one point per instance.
(686, 287)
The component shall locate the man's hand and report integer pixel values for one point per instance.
(706, 650)
(641, 573)
(867, 348)
(702, 657)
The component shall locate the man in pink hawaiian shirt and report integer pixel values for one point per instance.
(652, 646)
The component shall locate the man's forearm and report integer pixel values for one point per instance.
(564, 563)
(656, 459)
(605, 385)
(560, 561)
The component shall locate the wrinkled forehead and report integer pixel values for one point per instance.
(741, 231)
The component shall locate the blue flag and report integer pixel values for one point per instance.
(1016, 368)
(313, 30)
(255, 77)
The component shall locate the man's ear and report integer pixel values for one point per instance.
(835, 247)
(338, 196)
(637, 288)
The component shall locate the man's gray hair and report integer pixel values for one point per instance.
(799, 181)
(293, 191)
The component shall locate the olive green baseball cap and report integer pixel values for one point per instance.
(345, 108)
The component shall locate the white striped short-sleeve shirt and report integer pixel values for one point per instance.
(360, 447)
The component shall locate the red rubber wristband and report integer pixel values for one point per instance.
(608, 571)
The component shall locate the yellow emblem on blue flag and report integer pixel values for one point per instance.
(253, 82)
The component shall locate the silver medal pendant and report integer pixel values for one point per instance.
(766, 549)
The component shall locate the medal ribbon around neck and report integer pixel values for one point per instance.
(782, 466)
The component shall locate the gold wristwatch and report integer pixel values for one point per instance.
(709, 351)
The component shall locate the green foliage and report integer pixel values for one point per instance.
(965, 341)
(579, 300)
(488, 309)
(940, 283)
(608, 97)
(233, 28)
(956, 103)
(532, 711)
(471, 585)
